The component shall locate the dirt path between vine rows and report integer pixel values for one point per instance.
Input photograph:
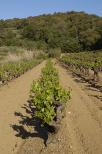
(12, 98)
(81, 129)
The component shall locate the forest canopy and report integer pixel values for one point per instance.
(70, 31)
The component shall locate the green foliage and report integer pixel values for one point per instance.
(46, 92)
(10, 71)
(71, 31)
(54, 53)
(82, 63)
(71, 45)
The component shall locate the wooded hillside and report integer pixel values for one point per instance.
(71, 32)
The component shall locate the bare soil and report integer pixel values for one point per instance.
(80, 131)
(12, 99)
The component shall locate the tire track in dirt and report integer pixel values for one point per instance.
(12, 97)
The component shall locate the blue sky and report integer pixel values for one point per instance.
(24, 8)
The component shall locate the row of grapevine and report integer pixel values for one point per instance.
(9, 71)
(84, 63)
(48, 97)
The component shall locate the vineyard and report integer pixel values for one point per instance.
(85, 64)
(47, 86)
(48, 97)
(43, 120)
(11, 71)
(51, 77)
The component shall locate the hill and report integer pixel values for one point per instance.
(70, 31)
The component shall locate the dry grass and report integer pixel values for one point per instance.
(13, 57)
(15, 54)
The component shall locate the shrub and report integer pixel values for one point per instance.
(54, 53)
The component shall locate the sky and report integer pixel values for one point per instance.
(24, 8)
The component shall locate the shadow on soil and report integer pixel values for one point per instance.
(91, 82)
(98, 97)
(29, 120)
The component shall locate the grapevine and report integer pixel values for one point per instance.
(47, 95)
(9, 71)
(84, 63)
